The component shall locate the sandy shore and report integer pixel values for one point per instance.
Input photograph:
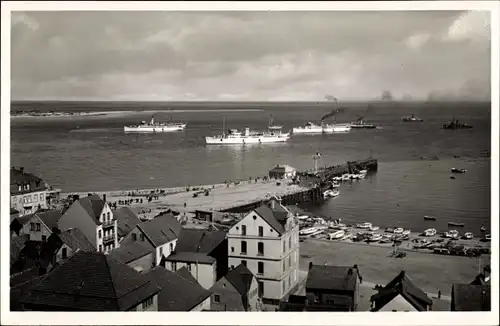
(432, 273)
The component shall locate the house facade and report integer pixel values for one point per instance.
(202, 267)
(266, 241)
(39, 226)
(282, 172)
(93, 216)
(138, 255)
(27, 192)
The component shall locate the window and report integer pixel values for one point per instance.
(244, 247)
(284, 246)
(260, 267)
(232, 266)
(38, 227)
(189, 267)
(216, 298)
(19, 188)
(260, 248)
(99, 234)
(244, 263)
(284, 268)
(283, 286)
(329, 301)
(104, 216)
(32, 226)
(171, 247)
(161, 252)
(41, 197)
(64, 253)
(100, 248)
(174, 266)
(243, 230)
(147, 303)
(35, 197)
(142, 237)
(44, 238)
(289, 280)
(260, 288)
(261, 231)
(134, 236)
(290, 243)
(109, 216)
(232, 249)
(290, 261)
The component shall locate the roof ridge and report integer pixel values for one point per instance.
(108, 268)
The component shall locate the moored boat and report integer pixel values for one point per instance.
(406, 232)
(398, 230)
(336, 235)
(374, 228)
(483, 229)
(455, 170)
(365, 225)
(429, 218)
(456, 224)
(330, 193)
(411, 118)
(430, 232)
(308, 231)
(468, 235)
(374, 237)
(154, 127)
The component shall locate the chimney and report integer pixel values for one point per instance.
(349, 272)
(104, 197)
(21, 169)
(89, 194)
(310, 265)
(272, 203)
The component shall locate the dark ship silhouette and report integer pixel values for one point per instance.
(454, 124)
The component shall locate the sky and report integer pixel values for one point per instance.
(249, 56)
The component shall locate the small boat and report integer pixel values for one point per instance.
(302, 217)
(454, 124)
(451, 234)
(483, 229)
(406, 232)
(365, 225)
(330, 193)
(374, 228)
(390, 230)
(335, 185)
(374, 237)
(430, 232)
(455, 170)
(398, 230)
(456, 224)
(468, 235)
(429, 218)
(386, 240)
(336, 235)
(308, 231)
(487, 237)
(411, 118)
(346, 237)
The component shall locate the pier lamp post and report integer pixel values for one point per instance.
(316, 159)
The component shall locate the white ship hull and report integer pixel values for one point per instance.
(302, 130)
(154, 128)
(337, 128)
(221, 140)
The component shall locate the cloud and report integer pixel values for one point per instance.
(247, 55)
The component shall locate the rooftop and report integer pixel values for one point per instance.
(92, 282)
(49, 217)
(469, 297)
(129, 252)
(177, 293)
(325, 277)
(127, 220)
(402, 285)
(161, 229)
(191, 257)
(199, 240)
(286, 168)
(241, 278)
(93, 205)
(76, 240)
(276, 217)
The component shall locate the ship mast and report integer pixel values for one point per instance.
(223, 126)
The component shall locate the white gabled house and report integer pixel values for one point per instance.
(266, 241)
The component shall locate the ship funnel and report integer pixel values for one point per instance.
(247, 131)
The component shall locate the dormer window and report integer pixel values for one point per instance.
(19, 188)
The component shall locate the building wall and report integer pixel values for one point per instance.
(59, 254)
(77, 217)
(36, 235)
(145, 263)
(33, 198)
(204, 305)
(153, 307)
(399, 304)
(107, 215)
(164, 250)
(205, 274)
(280, 258)
(230, 299)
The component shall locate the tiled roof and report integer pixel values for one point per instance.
(177, 293)
(199, 240)
(402, 285)
(49, 217)
(127, 220)
(93, 205)
(184, 272)
(241, 278)
(468, 297)
(16, 176)
(191, 257)
(161, 229)
(129, 252)
(24, 219)
(76, 240)
(276, 217)
(331, 278)
(92, 282)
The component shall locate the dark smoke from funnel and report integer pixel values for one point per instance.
(333, 113)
